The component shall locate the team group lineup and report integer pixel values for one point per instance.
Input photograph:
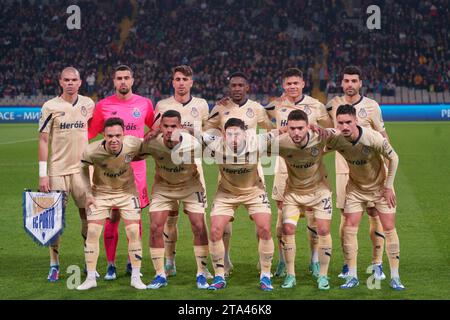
(107, 178)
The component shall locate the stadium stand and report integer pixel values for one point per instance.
(406, 61)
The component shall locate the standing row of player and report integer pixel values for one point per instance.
(241, 182)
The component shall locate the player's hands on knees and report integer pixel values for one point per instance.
(44, 184)
(151, 134)
(389, 195)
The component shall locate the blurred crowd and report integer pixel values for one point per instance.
(411, 49)
(216, 38)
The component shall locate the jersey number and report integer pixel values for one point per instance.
(136, 203)
(201, 197)
(326, 204)
(265, 198)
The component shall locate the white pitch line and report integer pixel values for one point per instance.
(18, 141)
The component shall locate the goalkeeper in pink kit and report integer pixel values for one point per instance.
(136, 112)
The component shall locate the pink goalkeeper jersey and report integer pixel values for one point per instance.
(136, 113)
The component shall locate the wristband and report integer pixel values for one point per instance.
(42, 169)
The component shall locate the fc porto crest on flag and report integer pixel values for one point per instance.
(43, 215)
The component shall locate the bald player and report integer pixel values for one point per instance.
(177, 181)
(113, 187)
(63, 128)
(236, 154)
(369, 182)
(278, 110)
(306, 187)
(253, 115)
(369, 115)
(194, 113)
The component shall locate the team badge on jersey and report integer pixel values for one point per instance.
(362, 113)
(194, 112)
(136, 113)
(314, 151)
(83, 111)
(250, 113)
(128, 158)
(307, 110)
(365, 150)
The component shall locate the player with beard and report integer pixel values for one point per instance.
(137, 112)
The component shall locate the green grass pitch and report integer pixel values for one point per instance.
(423, 219)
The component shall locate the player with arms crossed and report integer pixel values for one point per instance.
(364, 150)
(137, 112)
(177, 180)
(253, 114)
(194, 114)
(113, 187)
(279, 109)
(369, 115)
(63, 127)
